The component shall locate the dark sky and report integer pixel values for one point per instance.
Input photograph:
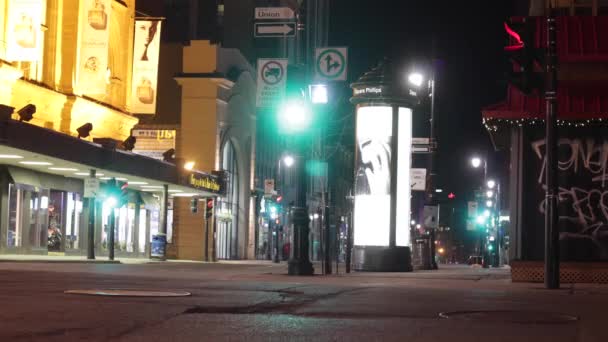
(469, 39)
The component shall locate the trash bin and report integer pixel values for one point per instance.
(158, 244)
(421, 253)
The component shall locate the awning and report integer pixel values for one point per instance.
(575, 101)
(59, 161)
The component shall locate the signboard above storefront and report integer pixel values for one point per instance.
(154, 142)
(205, 182)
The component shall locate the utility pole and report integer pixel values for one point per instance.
(551, 216)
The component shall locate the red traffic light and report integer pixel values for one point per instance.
(451, 195)
(210, 203)
(279, 199)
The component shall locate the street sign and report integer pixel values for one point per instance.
(91, 187)
(418, 179)
(473, 209)
(430, 216)
(274, 13)
(270, 81)
(275, 29)
(421, 141)
(331, 63)
(268, 186)
(417, 149)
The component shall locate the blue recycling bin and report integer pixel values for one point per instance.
(158, 245)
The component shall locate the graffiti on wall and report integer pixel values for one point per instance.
(583, 190)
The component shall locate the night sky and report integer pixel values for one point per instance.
(469, 42)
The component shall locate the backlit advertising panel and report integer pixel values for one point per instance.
(373, 178)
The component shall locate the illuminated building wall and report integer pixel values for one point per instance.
(39, 55)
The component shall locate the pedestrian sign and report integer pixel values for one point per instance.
(270, 81)
(331, 63)
(91, 187)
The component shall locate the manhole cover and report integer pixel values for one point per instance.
(524, 317)
(129, 293)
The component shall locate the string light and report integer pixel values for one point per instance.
(493, 124)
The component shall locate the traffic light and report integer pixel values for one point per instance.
(451, 195)
(525, 72)
(194, 205)
(118, 194)
(209, 208)
(124, 194)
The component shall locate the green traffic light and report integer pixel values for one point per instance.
(490, 247)
(294, 117)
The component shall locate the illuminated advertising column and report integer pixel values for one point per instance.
(381, 236)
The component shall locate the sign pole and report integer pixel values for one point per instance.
(551, 215)
(91, 223)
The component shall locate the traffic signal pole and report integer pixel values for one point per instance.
(112, 228)
(551, 216)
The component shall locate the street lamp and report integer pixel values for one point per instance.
(491, 184)
(476, 162)
(489, 203)
(489, 194)
(288, 160)
(415, 78)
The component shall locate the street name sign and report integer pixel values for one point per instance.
(275, 29)
(418, 179)
(331, 63)
(266, 13)
(272, 73)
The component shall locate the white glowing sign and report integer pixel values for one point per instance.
(404, 188)
(23, 30)
(373, 179)
(146, 51)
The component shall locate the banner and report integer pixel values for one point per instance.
(23, 34)
(146, 50)
(153, 142)
(93, 45)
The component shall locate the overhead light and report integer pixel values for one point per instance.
(63, 169)
(105, 178)
(84, 130)
(476, 162)
(35, 163)
(151, 186)
(489, 193)
(151, 189)
(129, 143)
(169, 155)
(189, 165)
(138, 183)
(185, 194)
(87, 173)
(175, 190)
(10, 156)
(439, 190)
(27, 113)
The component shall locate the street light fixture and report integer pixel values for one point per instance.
(288, 160)
(415, 78)
(491, 184)
(476, 162)
(318, 94)
(489, 194)
(489, 204)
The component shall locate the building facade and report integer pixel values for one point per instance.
(66, 90)
(517, 124)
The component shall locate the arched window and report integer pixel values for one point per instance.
(227, 233)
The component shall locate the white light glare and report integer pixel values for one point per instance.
(415, 78)
(189, 165)
(489, 194)
(489, 204)
(491, 184)
(413, 222)
(476, 162)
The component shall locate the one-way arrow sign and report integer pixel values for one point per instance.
(275, 29)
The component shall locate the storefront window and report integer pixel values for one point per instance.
(13, 238)
(55, 229)
(142, 230)
(39, 202)
(73, 220)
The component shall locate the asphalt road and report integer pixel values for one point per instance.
(258, 302)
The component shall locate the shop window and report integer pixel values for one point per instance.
(13, 238)
(142, 229)
(170, 221)
(73, 220)
(38, 219)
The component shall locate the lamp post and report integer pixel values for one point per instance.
(294, 119)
